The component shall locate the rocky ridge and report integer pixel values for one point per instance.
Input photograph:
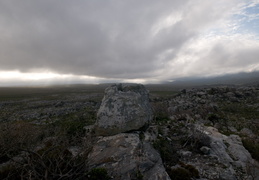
(207, 127)
(187, 146)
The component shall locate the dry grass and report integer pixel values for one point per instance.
(31, 151)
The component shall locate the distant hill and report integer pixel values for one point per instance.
(243, 78)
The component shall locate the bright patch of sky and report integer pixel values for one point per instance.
(248, 19)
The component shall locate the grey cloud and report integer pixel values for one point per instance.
(220, 55)
(110, 39)
(104, 38)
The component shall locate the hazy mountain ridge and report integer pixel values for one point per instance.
(243, 78)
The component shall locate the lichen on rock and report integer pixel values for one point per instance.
(125, 107)
(126, 157)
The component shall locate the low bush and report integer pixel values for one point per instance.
(192, 170)
(15, 136)
(179, 174)
(139, 175)
(32, 151)
(167, 151)
(98, 174)
(252, 146)
(214, 118)
(160, 111)
(183, 172)
(196, 139)
(52, 161)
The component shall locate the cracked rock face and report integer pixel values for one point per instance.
(126, 157)
(125, 107)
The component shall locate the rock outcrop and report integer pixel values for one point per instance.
(230, 151)
(124, 108)
(121, 148)
(221, 156)
(204, 127)
(127, 157)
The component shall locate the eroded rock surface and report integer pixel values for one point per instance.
(225, 157)
(127, 157)
(121, 149)
(124, 108)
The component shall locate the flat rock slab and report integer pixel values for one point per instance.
(126, 157)
(125, 107)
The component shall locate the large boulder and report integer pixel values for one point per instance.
(230, 151)
(126, 156)
(125, 107)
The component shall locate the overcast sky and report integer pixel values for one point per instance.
(90, 41)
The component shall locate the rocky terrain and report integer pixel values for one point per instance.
(200, 133)
(206, 128)
(124, 112)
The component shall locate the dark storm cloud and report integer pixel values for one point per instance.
(104, 38)
(110, 39)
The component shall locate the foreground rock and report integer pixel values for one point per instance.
(126, 157)
(124, 108)
(231, 152)
(221, 157)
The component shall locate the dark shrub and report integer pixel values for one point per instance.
(98, 174)
(167, 151)
(179, 174)
(252, 146)
(183, 172)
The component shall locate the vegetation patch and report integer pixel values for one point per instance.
(161, 114)
(15, 136)
(32, 151)
(54, 161)
(252, 146)
(183, 172)
(167, 151)
(98, 174)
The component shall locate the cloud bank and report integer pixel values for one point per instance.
(145, 40)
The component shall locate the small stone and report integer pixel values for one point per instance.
(89, 129)
(185, 153)
(205, 150)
